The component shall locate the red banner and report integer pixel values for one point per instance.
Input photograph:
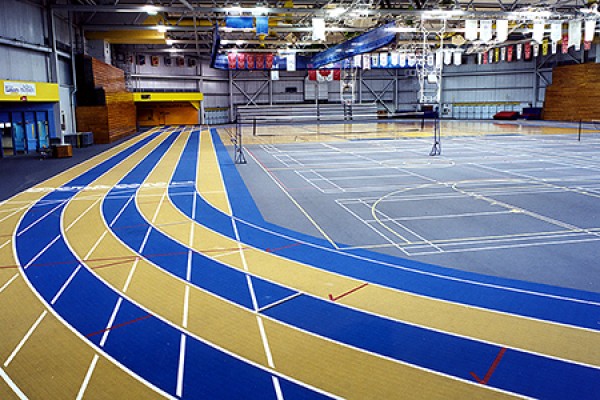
(587, 45)
(509, 53)
(241, 59)
(232, 58)
(260, 61)
(269, 61)
(527, 50)
(565, 44)
(250, 61)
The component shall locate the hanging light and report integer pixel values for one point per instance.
(150, 9)
(161, 28)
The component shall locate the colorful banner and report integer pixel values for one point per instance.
(528, 50)
(241, 61)
(485, 30)
(290, 61)
(497, 55)
(232, 58)
(545, 47)
(269, 61)
(250, 58)
(262, 25)
(501, 30)
(239, 22)
(503, 54)
(575, 34)
(536, 50)
(366, 61)
(457, 55)
(383, 59)
(565, 44)
(519, 51)
(395, 58)
(402, 58)
(260, 61)
(509, 54)
(471, 29)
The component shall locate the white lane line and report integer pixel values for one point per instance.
(83, 213)
(89, 253)
(111, 322)
(64, 286)
(12, 385)
(40, 218)
(181, 366)
(121, 211)
(87, 378)
(25, 338)
(9, 282)
(130, 276)
(5, 243)
(41, 252)
(15, 211)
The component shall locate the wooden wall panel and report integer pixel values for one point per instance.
(114, 115)
(574, 94)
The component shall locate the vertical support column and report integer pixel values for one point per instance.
(535, 85)
(231, 119)
(396, 87)
(270, 88)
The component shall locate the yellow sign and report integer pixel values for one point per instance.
(28, 91)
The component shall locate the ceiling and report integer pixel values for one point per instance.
(187, 25)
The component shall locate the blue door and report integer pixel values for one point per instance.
(30, 132)
(6, 142)
(18, 126)
(41, 118)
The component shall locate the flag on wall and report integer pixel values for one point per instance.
(497, 54)
(502, 30)
(590, 30)
(471, 29)
(528, 50)
(366, 61)
(402, 58)
(536, 49)
(491, 56)
(241, 61)
(357, 60)
(485, 30)
(383, 59)
(262, 25)
(250, 61)
(412, 59)
(374, 60)
(565, 44)
(290, 61)
(457, 55)
(503, 54)
(555, 32)
(154, 61)
(260, 61)
(395, 58)
(269, 61)
(519, 51)
(575, 34)
(509, 53)
(545, 47)
(538, 32)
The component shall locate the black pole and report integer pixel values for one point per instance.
(579, 133)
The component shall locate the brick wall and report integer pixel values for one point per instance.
(111, 115)
(574, 94)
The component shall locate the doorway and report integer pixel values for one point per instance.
(24, 132)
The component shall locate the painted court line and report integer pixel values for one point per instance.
(336, 298)
(87, 378)
(181, 366)
(41, 218)
(111, 322)
(25, 338)
(16, 390)
(64, 286)
(39, 254)
(121, 325)
(9, 282)
(278, 302)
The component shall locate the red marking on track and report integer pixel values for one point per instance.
(124, 261)
(270, 250)
(8, 266)
(487, 376)
(110, 328)
(335, 298)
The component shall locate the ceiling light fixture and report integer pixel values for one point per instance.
(150, 9)
(336, 12)
(161, 28)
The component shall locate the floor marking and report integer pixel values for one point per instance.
(12, 385)
(87, 378)
(278, 302)
(9, 282)
(487, 376)
(16, 211)
(180, 368)
(121, 211)
(273, 250)
(42, 251)
(130, 276)
(41, 218)
(336, 298)
(64, 286)
(83, 213)
(25, 338)
(111, 321)
(186, 302)
(95, 245)
(122, 324)
(125, 260)
(7, 242)
(277, 182)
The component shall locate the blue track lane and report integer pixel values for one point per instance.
(402, 274)
(429, 349)
(145, 344)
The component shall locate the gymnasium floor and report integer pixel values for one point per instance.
(149, 270)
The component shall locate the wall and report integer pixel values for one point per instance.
(26, 50)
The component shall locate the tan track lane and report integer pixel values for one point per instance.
(317, 361)
(42, 356)
(570, 343)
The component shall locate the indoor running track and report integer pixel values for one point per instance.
(153, 274)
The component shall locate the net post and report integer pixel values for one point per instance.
(239, 157)
(436, 150)
(254, 126)
(579, 131)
